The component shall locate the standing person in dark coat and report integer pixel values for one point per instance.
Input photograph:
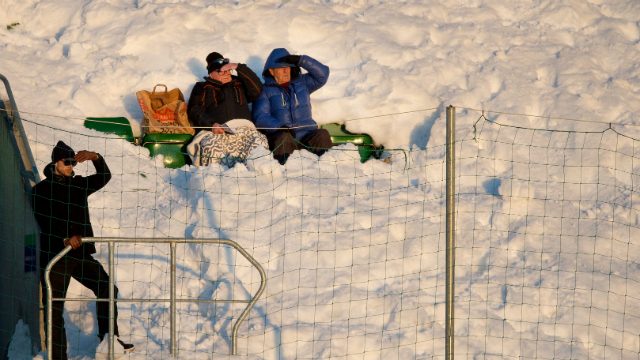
(283, 110)
(222, 96)
(61, 209)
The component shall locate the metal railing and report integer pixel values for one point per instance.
(172, 299)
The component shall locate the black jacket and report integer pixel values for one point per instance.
(61, 209)
(212, 102)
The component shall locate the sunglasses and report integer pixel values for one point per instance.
(221, 61)
(70, 161)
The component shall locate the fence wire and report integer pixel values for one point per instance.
(547, 256)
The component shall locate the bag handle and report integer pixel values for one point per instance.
(154, 88)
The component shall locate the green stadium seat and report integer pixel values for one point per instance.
(340, 135)
(172, 146)
(111, 125)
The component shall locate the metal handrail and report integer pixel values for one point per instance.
(172, 300)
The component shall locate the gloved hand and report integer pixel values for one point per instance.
(290, 59)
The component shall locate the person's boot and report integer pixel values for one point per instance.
(128, 348)
(125, 347)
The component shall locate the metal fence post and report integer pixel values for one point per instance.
(450, 232)
(112, 303)
(172, 302)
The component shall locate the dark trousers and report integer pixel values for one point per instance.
(90, 273)
(282, 143)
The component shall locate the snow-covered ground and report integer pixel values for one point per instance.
(548, 251)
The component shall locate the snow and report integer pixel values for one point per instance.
(354, 252)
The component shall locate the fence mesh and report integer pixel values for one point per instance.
(547, 254)
(351, 250)
(547, 257)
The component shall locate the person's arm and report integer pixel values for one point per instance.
(265, 122)
(40, 206)
(102, 176)
(250, 80)
(196, 106)
(317, 73)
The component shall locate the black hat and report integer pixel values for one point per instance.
(215, 61)
(62, 151)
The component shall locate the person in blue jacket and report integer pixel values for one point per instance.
(283, 109)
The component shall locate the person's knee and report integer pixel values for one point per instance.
(115, 292)
(57, 309)
(324, 139)
(103, 291)
(320, 141)
(283, 143)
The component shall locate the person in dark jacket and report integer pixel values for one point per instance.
(283, 110)
(222, 96)
(61, 208)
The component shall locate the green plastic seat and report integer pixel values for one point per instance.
(111, 125)
(340, 135)
(171, 146)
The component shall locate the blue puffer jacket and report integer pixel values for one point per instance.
(279, 107)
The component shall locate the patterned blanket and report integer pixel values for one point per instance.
(233, 146)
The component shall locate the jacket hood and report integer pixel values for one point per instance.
(48, 170)
(49, 173)
(272, 62)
